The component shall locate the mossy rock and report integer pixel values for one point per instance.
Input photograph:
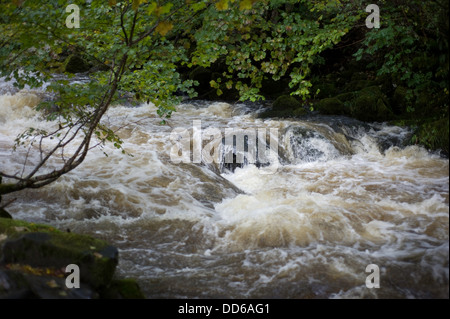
(299, 112)
(76, 64)
(370, 105)
(285, 102)
(284, 106)
(346, 97)
(332, 106)
(44, 246)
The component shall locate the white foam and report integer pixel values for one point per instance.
(307, 221)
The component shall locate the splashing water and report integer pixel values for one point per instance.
(345, 195)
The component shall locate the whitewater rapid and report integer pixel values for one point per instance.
(344, 195)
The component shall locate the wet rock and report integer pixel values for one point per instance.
(299, 112)
(97, 260)
(284, 106)
(18, 284)
(346, 97)
(34, 257)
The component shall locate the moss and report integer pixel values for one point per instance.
(285, 102)
(13, 228)
(346, 97)
(299, 112)
(332, 106)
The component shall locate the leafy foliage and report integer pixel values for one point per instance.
(412, 48)
(142, 47)
(139, 46)
(258, 40)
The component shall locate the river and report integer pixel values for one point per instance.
(340, 195)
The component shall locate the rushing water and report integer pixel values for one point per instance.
(343, 195)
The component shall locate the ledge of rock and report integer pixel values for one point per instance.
(34, 257)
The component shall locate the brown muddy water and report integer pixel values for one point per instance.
(342, 195)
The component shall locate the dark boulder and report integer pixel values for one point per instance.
(34, 257)
(285, 102)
